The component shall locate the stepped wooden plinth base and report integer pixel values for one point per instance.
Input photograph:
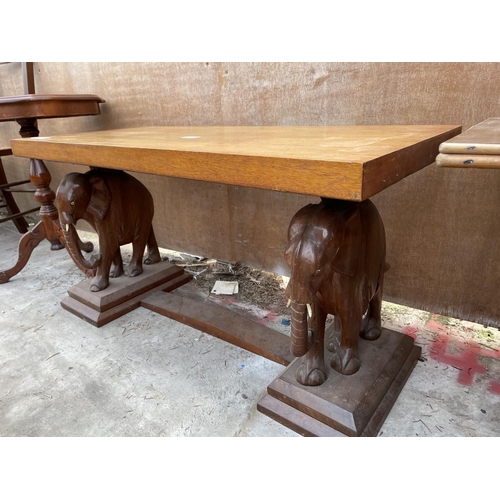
(223, 324)
(345, 405)
(123, 294)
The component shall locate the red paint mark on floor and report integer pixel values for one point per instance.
(411, 331)
(494, 387)
(434, 326)
(466, 361)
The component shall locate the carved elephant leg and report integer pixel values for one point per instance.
(117, 265)
(372, 326)
(134, 267)
(153, 254)
(101, 280)
(311, 371)
(345, 357)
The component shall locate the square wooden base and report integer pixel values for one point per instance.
(345, 405)
(123, 294)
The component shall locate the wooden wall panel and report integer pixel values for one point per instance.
(443, 226)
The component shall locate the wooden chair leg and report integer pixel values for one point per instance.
(12, 208)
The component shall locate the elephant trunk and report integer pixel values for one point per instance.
(71, 240)
(299, 329)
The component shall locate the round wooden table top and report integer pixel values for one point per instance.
(40, 106)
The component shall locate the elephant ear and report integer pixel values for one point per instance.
(100, 198)
(347, 256)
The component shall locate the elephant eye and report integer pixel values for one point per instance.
(317, 272)
(72, 203)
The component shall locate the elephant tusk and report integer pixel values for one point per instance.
(66, 227)
(309, 310)
(289, 302)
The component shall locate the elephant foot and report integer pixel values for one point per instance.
(99, 283)
(311, 371)
(132, 270)
(345, 360)
(333, 343)
(152, 258)
(371, 330)
(116, 271)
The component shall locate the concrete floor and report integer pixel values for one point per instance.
(146, 375)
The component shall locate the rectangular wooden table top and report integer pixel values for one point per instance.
(345, 162)
(477, 147)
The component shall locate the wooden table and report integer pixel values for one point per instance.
(336, 162)
(26, 110)
(346, 163)
(30, 106)
(477, 147)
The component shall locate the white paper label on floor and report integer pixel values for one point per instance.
(225, 288)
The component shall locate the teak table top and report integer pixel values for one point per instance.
(478, 147)
(352, 162)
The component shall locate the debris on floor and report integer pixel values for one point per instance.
(260, 288)
(225, 288)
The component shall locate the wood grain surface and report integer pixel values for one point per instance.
(481, 139)
(478, 147)
(336, 162)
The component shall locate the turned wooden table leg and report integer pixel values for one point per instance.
(47, 228)
(40, 178)
(28, 127)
